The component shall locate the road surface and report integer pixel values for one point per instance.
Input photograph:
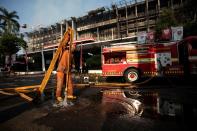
(168, 104)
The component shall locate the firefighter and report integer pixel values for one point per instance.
(62, 71)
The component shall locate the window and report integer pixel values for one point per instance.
(115, 57)
(194, 44)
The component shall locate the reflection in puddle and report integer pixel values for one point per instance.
(156, 105)
(115, 103)
(167, 107)
(161, 109)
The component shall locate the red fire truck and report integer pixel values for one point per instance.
(134, 61)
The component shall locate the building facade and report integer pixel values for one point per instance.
(120, 22)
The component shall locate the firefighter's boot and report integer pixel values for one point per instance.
(70, 88)
(69, 93)
(60, 82)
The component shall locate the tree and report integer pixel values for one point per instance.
(10, 44)
(9, 28)
(188, 11)
(166, 20)
(94, 62)
(185, 16)
(8, 21)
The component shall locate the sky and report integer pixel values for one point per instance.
(42, 13)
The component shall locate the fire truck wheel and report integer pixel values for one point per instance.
(131, 75)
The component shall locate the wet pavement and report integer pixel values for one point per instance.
(161, 104)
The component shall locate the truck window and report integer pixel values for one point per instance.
(107, 58)
(114, 57)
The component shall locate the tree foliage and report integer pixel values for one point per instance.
(10, 41)
(185, 16)
(190, 29)
(10, 44)
(8, 21)
(188, 11)
(166, 20)
(94, 62)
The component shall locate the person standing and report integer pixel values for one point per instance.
(63, 70)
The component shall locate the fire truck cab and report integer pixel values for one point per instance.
(134, 61)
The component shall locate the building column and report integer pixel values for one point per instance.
(158, 9)
(67, 25)
(43, 60)
(136, 17)
(98, 36)
(118, 23)
(181, 2)
(26, 60)
(61, 29)
(171, 4)
(74, 27)
(147, 16)
(158, 3)
(54, 52)
(112, 33)
(81, 58)
(126, 15)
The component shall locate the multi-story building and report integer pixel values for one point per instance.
(102, 26)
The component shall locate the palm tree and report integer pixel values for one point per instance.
(9, 21)
(10, 42)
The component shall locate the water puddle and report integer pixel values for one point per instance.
(115, 103)
(173, 112)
